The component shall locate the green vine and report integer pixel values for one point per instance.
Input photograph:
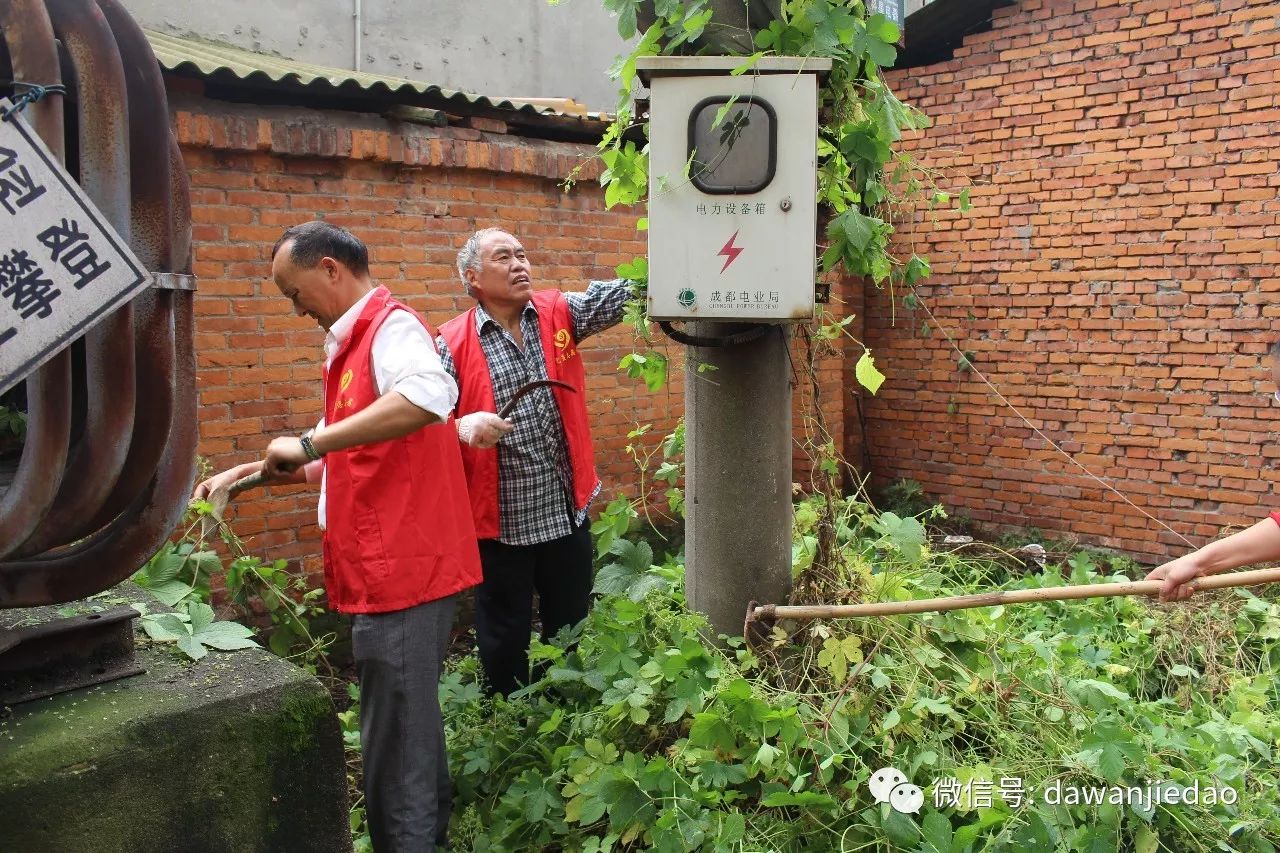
(179, 576)
(642, 735)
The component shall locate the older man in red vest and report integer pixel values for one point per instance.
(399, 543)
(530, 494)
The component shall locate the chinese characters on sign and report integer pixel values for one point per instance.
(62, 267)
(17, 189)
(70, 247)
(730, 208)
(745, 300)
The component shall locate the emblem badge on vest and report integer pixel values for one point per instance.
(564, 343)
(343, 382)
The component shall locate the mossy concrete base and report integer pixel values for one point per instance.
(237, 752)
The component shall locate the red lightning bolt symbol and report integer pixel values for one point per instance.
(730, 252)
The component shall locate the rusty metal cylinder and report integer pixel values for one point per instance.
(110, 453)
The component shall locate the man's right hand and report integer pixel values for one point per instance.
(482, 430)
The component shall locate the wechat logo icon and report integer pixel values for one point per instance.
(890, 785)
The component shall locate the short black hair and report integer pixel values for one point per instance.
(319, 239)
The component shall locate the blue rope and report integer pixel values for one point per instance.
(33, 93)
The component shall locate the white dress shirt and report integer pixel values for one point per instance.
(404, 360)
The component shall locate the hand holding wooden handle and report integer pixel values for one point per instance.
(1014, 596)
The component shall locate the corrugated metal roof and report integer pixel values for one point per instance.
(210, 58)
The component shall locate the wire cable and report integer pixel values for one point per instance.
(994, 390)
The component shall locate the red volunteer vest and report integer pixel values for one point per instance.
(398, 532)
(475, 394)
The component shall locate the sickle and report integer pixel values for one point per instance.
(527, 387)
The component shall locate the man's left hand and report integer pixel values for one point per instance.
(284, 457)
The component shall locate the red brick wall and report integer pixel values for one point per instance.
(413, 194)
(1115, 278)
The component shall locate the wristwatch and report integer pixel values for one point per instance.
(308, 447)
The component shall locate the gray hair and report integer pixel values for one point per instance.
(469, 255)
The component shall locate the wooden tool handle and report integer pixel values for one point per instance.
(250, 481)
(1015, 596)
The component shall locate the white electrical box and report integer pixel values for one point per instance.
(732, 187)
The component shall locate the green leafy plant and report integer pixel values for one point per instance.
(195, 630)
(613, 522)
(642, 734)
(179, 571)
(671, 470)
(13, 430)
(179, 576)
(349, 723)
(632, 573)
(650, 367)
(291, 602)
(13, 422)
(905, 497)
(618, 518)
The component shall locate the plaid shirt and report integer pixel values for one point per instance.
(535, 482)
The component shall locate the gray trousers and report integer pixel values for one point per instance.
(407, 792)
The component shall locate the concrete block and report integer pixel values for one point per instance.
(239, 751)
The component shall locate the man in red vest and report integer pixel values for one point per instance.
(399, 543)
(530, 494)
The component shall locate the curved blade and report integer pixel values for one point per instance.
(527, 387)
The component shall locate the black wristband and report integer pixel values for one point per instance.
(308, 447)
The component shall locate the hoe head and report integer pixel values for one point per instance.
(758, 625)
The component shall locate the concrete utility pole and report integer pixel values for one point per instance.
(738, 513)
(731, 253)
